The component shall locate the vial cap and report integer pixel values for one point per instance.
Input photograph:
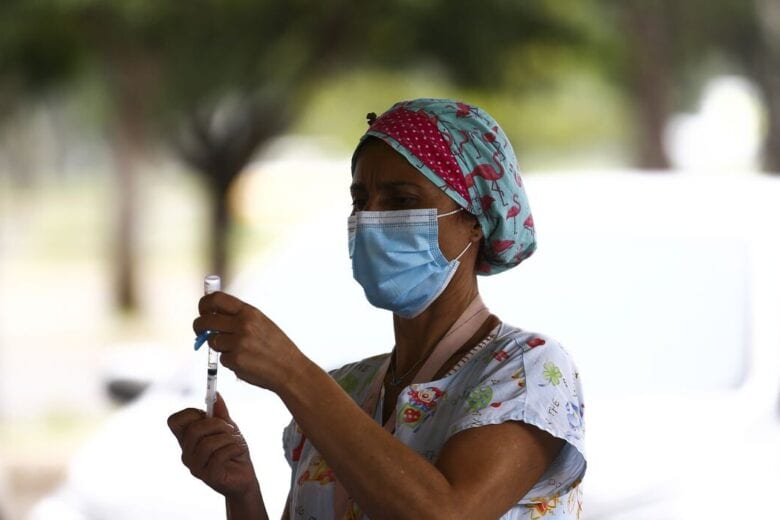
(212, 283)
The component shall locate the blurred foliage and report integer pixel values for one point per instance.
(539, 121)
(660, 53)
(199, 52)
(37, 48)
(217, 79)
(208, 60)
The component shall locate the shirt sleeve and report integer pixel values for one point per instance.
(292, 440)
(530, 379)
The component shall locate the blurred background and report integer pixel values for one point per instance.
(145, 144)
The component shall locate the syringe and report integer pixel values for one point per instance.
(211, 283)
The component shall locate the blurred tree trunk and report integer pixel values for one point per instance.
(130, 81)
(18, 154)
(220, 231)
(767, 75)
(125, 235)
(768, 78)
(219, 144)
(648, 39)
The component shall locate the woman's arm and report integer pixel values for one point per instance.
(247, 507)
(480, 472)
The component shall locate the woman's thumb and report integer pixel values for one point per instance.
(220, 409)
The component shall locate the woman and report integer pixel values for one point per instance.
(467, 417)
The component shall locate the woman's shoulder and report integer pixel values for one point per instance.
(515, 345)
(549, 378)
(538, 355)
(527, 376)
(528, 368)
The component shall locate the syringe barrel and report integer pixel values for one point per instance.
(213, 358)
(211, 283)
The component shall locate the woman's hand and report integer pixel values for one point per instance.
(215, 451)
(252, 345)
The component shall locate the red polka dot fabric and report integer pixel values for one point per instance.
(418, 133)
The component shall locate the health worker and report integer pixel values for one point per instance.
(467, 417)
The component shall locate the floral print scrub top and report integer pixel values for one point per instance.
(518, 376)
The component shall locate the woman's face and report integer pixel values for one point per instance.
(385, 181)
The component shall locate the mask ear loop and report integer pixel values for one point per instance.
(449, 213)
(457, 258)
(463, 252)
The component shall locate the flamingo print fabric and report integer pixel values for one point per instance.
(462, 150)
(518, 376)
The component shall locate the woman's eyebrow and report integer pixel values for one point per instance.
(385, 185)
(398, 184)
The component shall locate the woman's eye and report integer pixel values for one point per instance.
(404, 201)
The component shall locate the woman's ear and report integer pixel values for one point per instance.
(476, 231)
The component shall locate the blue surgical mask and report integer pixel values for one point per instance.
(397, 260)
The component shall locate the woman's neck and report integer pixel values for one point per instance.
(416, 338)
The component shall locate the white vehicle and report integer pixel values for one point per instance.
(665, 288)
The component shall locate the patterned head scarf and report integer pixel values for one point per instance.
(462, 150)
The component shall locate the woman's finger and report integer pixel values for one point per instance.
(197, 431)
(222, 342)
(218, 322)
(221, 303)
(179, 421)
(221, 411)
(208, 446)
(221, 456)
(228, 360)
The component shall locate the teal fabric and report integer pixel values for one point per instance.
(462, 149)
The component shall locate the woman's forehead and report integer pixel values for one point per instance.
(378, 165)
